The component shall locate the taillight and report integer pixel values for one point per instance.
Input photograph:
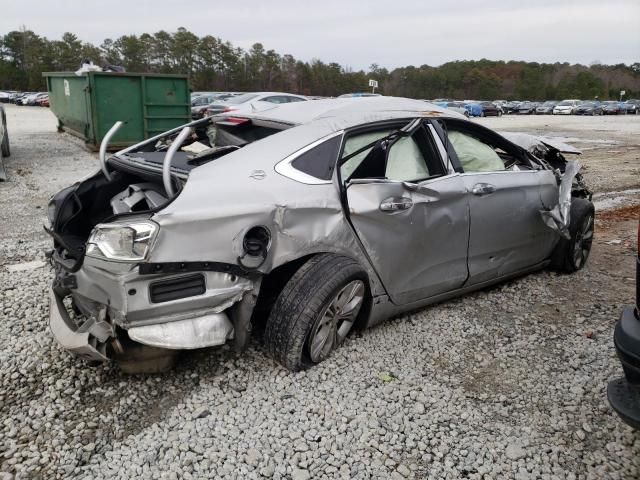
(236, 120)
(228, 109)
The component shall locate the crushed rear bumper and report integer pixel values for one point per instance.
(174, 311)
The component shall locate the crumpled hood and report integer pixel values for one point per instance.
(534, 143)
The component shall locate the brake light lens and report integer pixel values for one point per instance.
(228, 109)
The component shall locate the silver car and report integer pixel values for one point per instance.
(302, 223)
(252, 102)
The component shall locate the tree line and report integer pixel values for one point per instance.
(214, 64)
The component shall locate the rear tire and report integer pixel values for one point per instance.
(315, 311)
(571, 255)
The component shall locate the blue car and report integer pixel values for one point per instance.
(474, 109)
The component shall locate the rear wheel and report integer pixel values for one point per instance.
(571, 255)
(315, 311)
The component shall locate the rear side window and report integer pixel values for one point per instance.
(320, 161)
(278, 99)
(238, 135)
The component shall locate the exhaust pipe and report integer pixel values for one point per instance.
(166, 164)
(103, 148)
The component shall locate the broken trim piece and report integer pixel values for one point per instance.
(558, 218)
(103, 148)
(166, 165)
(181, 267)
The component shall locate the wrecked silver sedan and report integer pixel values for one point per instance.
(302, 223)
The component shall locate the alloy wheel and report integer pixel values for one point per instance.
(336, 320)
(584, 239)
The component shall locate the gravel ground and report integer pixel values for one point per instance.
(507, 383)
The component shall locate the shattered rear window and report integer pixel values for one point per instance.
(238, 135)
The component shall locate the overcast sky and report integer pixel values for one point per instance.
(357, 33)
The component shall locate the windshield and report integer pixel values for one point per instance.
(588, 104)
(241, 98)
(565, 104)
(549, 104)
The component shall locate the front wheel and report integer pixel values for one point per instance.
(499, 113)
(571, 255)
(315, 311)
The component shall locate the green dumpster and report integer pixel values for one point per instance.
(89, 104)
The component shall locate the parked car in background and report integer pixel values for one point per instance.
(34, 98)
(44, 101)
(613, 107)
(249, 102)
(359, 94)
(473, 109)
(5, 150)
(200, 103)
(566, 107)
(5, 96)
(458, 107)
(588, 108)
(527, 108)
(197, 94)
(632, 107)
(320, 217)
(624, 393)
(15, 97)
(546, 108)
(510, 107)
(489, 110)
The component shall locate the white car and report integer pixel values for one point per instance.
(252, 102)
(33, 98)
(565, 107)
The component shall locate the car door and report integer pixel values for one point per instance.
(505, 192)
(408, 210)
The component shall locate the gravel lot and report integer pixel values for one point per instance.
(507, 383)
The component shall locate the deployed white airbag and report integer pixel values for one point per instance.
(200, 332)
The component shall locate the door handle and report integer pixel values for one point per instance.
(396, 204)
(481, 189)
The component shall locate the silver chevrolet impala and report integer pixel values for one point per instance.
(301, 223)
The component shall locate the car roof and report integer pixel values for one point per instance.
(347, 112)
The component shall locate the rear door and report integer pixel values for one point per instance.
(409, 211)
